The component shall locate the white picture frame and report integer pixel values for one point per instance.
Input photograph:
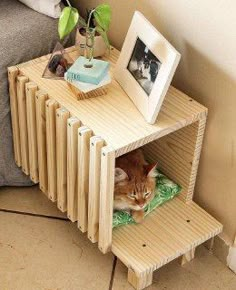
(147, 89)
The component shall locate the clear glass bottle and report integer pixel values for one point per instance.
(90, 36)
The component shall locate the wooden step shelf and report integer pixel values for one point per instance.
(69, 146)
(169, 232)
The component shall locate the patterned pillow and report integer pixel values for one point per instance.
(165, 190)
(48, 7)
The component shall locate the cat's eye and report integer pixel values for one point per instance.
(132, 195)
(146, 195)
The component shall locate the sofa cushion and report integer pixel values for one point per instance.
(48, 7)
(24, 34)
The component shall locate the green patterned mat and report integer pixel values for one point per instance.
(165, 190)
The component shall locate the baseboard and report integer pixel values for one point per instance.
(231, 259)
(224, 251)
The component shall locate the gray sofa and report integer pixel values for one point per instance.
(24, 35)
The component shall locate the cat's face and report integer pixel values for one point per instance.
(134, 192)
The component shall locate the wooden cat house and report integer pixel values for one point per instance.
(69, 147)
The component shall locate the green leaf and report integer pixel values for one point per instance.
(102, 15)
(104, 35)
(68, 20)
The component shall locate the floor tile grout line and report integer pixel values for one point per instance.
(33, 214)
(113, 273)
(62, 219)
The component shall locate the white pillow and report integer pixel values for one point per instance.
(48, 7)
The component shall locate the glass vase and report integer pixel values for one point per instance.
(90, 36)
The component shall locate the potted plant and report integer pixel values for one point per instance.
(100, 47)
(94, 28)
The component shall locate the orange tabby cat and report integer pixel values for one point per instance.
(134, 184)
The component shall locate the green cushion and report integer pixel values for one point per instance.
(165, 190)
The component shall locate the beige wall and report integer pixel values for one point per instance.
(204, 31)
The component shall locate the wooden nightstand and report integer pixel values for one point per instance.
(69, 146)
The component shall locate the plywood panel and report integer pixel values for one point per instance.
(116, 110)
(176, 227)
(178, 155)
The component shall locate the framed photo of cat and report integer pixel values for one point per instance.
(146, 66)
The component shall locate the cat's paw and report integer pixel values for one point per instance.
(138, 216)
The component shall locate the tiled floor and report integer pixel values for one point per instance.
(41, 250)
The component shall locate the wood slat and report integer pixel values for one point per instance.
(96, 144)
(72, 168)
(61, 140)
(163, 236)
(21, 98)
(31, 89)
(106, 199)
(51, 107)
(40, 100)
(83, 176)
(12, 78)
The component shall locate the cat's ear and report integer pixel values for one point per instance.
(120, 175)
(150, 170)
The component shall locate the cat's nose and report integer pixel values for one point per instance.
(141, 204)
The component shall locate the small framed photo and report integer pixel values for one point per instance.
(146, 66)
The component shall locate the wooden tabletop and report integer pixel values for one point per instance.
(113, 116)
